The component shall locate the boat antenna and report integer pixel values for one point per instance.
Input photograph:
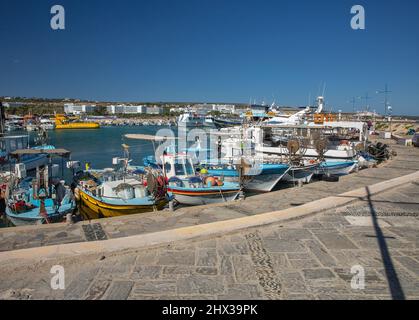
(353, 101)
(324, 89)
(366, 98)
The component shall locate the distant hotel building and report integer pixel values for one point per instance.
(14, 104)
(124, 109)
(70, 108)
(154, 110)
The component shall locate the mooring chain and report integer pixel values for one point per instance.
(268, 279)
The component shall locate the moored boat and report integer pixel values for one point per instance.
(261, 177)
(191, 189)
(117, 198)
(40, 200)
(64, 122)
(300, 173)
(336, 168)
(109, 193)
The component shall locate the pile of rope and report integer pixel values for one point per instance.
(380, 151)
(156, 184)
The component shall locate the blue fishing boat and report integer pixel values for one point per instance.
(260, 177)
(336, 168)
(37, 206)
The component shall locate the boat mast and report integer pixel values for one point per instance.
(386, 92)
(2, 118)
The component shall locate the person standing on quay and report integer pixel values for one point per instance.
(2, 206)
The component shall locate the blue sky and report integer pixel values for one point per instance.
(212, 50)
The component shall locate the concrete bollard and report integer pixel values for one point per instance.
(69, 218)
(171, 207)
(300, 183)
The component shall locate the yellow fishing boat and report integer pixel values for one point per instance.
(92, 207)
(104, 199)
(65, 122)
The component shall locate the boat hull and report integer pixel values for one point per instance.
(263, 183)
(188, 197)
(263, 180)
(18, 222)
(93, 208)
(300, 174)
(90, 125)
(336, 168)
(334, 154)
(33, 217)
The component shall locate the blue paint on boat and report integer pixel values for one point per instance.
(32, 216)
(264, 169)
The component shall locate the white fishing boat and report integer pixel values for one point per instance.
(191, 119)
(47, 124)
(191, 189)
(336, 168)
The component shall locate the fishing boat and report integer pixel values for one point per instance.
(257, 177)
(224, 122)
(183, 182)
(365, 160)
(336, 168)
(40, 200)
(300, 173)
(110, 193)
(191, 189)
(190, 119)
(65, 122)
(47, 124)
(117, 197)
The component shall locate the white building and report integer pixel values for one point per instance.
(154, 110)
(70, 108)
(124, 109)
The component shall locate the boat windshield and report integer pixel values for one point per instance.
(183, 167)
(189, 168)
(179, 170)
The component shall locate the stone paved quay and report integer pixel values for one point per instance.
(406, 162)
(309, 258)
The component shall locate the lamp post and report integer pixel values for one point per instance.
(389, 111)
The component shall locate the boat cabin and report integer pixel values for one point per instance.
(118, 189)
(179, 165)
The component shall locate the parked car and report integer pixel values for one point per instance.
(415, 140)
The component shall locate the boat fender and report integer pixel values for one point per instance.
(211, 181)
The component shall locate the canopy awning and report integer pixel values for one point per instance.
(52, 152)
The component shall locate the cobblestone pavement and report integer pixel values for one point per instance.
(309, 258)
(16, 238)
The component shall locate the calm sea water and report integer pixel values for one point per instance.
(99, 146)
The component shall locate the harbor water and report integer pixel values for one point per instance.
(99, 146)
